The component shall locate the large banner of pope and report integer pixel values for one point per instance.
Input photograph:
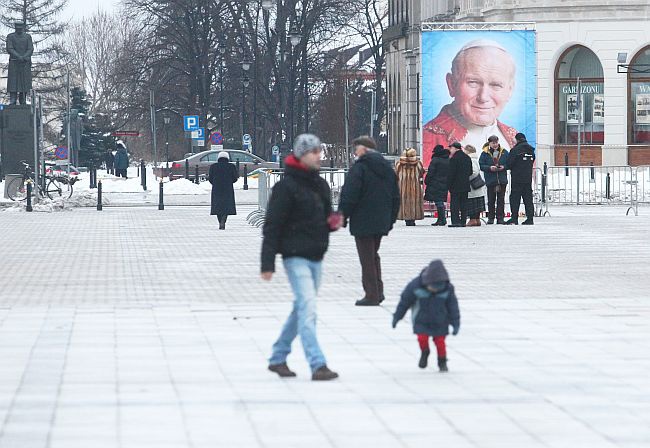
(476, 84)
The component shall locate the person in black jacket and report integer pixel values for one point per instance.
(436, 182)
(434, 307)
(298, 222)
(109, 158)
(520, 163)
(370, 198)
(222, 176)
(460, 169)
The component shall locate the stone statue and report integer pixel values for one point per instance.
(20, 49)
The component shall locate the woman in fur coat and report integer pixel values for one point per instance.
(409, 174)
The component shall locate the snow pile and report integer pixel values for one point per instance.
(121, 185)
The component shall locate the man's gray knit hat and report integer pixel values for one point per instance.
(305, 143)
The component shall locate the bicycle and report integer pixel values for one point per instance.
(56, 186)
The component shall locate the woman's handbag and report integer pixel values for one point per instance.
(477, 182)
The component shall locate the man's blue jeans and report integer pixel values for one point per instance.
(304, 276)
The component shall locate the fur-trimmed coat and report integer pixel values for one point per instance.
(409, 174)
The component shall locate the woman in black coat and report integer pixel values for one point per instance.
(222, 176)
(436, 182)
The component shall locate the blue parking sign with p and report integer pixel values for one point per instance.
(190, 122)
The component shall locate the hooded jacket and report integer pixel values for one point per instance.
(432, 301)
(296, 217)
(121, 161)
(486, 160)
(370, 197)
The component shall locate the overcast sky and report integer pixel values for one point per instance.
(78, 8)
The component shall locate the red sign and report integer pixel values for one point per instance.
(126, 134)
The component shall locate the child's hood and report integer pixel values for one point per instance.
(434, 273)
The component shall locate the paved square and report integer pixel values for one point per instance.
(135, 327)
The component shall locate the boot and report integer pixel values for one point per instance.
(511, 222)
(323, 374)
(367, 302)
(490, 221)
(282, 370)
(528, 222)
(424, 359)
(442, 364)
(410, 222)
(442, 217)
(474, 223)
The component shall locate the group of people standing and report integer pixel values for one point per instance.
(460, 176)
(117, 162)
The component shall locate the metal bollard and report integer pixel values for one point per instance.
(607, 186)
(29, 196)
(237, 165)
(332, 168)
(566, 164)
(91, 179)
(143, 172)
(545, 168)
(245, 177)
(99, 196)
(592, 173)
(187, 169)
(196, 174)
(544, 188)
(161, 202)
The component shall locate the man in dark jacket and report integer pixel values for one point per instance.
(109, 158)
(520, 163)
(434, 307)
(298, 224)
(370, 199)
(121, 160)
(436, 182)
(460, 169)
(222, 176)
(492, 162)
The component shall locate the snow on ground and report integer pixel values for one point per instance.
(153, 330)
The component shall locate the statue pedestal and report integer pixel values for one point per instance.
(16, 139)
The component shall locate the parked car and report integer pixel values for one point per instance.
(206, 158)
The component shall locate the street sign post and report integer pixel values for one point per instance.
(216, 138)
(61, 153)
(190, 123)
(125, 134)
(198, 134)
(275, 151)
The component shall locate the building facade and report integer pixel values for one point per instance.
(603, 43)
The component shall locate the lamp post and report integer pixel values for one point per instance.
(166, 121)
(245, 66)
(294, 39)
(222, 51)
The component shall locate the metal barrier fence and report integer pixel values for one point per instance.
(266, 180)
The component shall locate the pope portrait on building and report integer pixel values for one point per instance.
(480, 82)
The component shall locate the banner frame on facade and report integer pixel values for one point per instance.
(475, 26)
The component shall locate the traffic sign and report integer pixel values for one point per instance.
(190, 122)
(246, 138)
(61, 152)
(275, 150)
(216, 138)
(216, 147)
(198, 134)
(200, 142)
(126, 134)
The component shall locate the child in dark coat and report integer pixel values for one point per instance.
(434, 307)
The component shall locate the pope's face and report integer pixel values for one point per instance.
(483, 85)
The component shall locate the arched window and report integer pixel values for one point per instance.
(638, 75)
(581, 63)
